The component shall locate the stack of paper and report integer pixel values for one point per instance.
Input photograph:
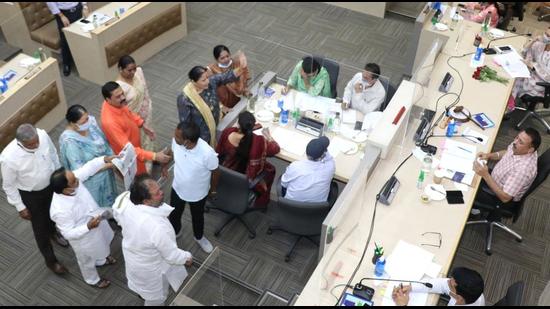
(408, 262)
(459, 157)
(127, 164)
(291, 141)
(513, 64)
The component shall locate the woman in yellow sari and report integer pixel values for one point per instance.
(229, 93)
(132, 82)
(199, 101)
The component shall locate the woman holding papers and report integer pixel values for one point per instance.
(245, 152)
(537, 59)
(81, 142)
(132, 82)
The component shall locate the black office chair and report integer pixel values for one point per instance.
(514, 295)
(531, 102)
(235, 197)
(497, 212)
(301, 219)
(333, 69)
(390, 91)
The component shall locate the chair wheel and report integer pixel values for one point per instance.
(217, 234)
(488, 252)
(539, 19)
(251, 236)
(548, 131)
(206, 209)
(269, 231)
(517, 128)
(519, 239)
(287, 258)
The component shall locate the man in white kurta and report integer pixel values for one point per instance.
(78, 217)
(365, 92)
(151, 254)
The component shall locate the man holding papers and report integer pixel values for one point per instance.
(465, 288)
(513, 174)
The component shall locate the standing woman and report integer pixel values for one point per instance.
(230, 93)
(81, 142)
(199, 102)
(132, 82)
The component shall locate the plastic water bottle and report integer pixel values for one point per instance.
(380, 265)
(261, 91)
(95, 22)
(451, 128)
(284, 117)
(420, 180)
(479, 52)
(336, 123)
(42, 54)
(3, 85)
(454, 21)
(280, 103)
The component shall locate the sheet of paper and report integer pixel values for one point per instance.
(349, 116)
(512, 63)
(339, 145)
(127, 164)
(318, 104)
(408, 262)
(291, 141)
(459, 149)
(415, 299)
(468, 133)
(433, 270)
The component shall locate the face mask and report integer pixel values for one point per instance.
(225, 66)
(85, 126)
(27, 149)
(545, 39)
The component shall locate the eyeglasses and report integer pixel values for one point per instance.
(433, 233)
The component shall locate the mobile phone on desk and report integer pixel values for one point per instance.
(358, 125)
(84, 21)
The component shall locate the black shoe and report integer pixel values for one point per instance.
(66, 70)
(60, 240)
(58, 268)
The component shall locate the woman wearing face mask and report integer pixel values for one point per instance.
(132, 82)
(81, 142)
(537, 58)
(230, 93)
(199, 101)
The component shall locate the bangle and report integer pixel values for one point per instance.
(154, 156)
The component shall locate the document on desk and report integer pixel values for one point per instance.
(349, 116)
(293, 142)
(513, 64)
(459, 157)
(339, 145)
(315, 103)
(408, 262)
(415, 299)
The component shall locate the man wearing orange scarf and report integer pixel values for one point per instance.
(121, 126)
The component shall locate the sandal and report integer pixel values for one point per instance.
(109, 260)
(103, 283)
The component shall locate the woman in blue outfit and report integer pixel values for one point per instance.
(81, 142)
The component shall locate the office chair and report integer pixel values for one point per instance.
(514, 295)
(390, 91)
(333, 69)
(532, 101)
(301, 219)
(543, 7)
(496, 212)
(235, 197)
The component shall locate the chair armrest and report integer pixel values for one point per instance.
(543, 84)
(255, 181)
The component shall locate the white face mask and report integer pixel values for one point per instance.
(85, 126)
(225, 66)
(27, 149)
(545, 39)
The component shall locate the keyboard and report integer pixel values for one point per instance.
(310, 126)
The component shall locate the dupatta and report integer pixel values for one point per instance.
(203, 108)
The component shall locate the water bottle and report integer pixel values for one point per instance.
(280, 103)
(454, 21)
(427, 163)
(94, 22)
(336, 123)
(486, 24)
(420, 180)
(3, 85)
(451, 128)
(42, 54)
(284, 117)
(379, 268)
(261, 91)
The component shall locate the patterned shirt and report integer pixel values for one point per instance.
(188, 111)
(515, 173)
(320, 84)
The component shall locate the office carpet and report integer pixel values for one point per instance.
(274, 36)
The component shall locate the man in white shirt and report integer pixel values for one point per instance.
(309, 180)
(153, 259)
(65, 14)
(27, 163)
(196, 165)
(364, 92)
(465, 288)
(79, 219)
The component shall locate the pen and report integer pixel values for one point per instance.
(464, 149)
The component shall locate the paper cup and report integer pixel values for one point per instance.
(438, 176)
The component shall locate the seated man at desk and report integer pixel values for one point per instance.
(309, 180)
(513, 174)
(310, 77)
(364, 92)
(465, 287)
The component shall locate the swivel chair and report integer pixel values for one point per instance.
(514, 295)
(390, 91)
(532, 102)
(497, 212)
(301, 219)
(333, 69)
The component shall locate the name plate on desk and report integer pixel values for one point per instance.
(310, 126)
